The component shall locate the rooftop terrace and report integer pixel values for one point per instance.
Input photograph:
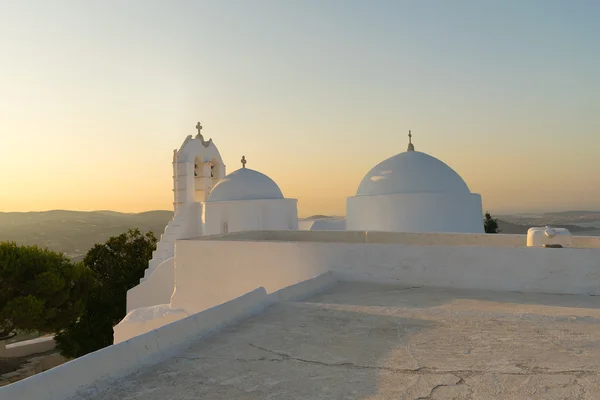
(368, 341)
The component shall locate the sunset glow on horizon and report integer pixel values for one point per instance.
(94, 97)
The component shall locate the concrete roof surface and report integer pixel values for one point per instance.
(365, 341)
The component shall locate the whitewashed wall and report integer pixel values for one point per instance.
(230, 268)
(145, 319)
(90, 373)
(586, 242)
(118, 360)
(405, 238)
(247, 215)
(156, 289)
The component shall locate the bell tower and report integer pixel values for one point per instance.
(197, 167)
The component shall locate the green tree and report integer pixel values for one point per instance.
(116, 266)
(490, 224)
(40, 290)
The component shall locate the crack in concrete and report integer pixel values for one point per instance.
(158, 345)
(285, 356)
(582, 393)
(412, 356)
(194, 358)
(547, 371)
(471, 392)
(436, 387)
(432, 371)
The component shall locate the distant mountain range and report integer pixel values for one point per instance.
(581, 218)
(521, 229)
(75, 232)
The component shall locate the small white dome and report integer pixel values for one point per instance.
(411, 172)
(245, 184)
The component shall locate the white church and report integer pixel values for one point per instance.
(409, 192)
(237, 301)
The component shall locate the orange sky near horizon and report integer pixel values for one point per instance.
(95, 96)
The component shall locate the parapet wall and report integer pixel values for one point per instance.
(159, 286)
(586, 242)
(237, 266)
(90, 373)
(118, 360)
(413, 239)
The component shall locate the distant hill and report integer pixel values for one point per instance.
(75, 232)
(319, 216)
(520, 225)
(578, 220)
(521, 229)
(572, 213)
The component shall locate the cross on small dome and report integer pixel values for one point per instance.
(243, 161)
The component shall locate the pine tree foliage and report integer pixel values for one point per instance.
(490, 224)
(40, 290)
(116, 266)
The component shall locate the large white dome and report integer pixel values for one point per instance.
(245, 184)
(411, 172)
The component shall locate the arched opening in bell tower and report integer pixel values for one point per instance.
(216, 171)
(200, 179)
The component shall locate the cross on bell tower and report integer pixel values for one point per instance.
(243, 161)
(199, 136)
(411, 147)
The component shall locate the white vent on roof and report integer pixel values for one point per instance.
(549, 237)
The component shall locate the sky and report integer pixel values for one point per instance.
(95, 95)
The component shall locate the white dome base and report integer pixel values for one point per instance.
(250, 215)
(416, 212)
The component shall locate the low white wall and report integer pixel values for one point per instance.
(406, 238)
(306, 289)
(90, 373)
(156, 289)
(205, 280)
(230, 268)
(118, 360)
(446, 239)
(27, 347)
(586, 242)
(145, 319)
